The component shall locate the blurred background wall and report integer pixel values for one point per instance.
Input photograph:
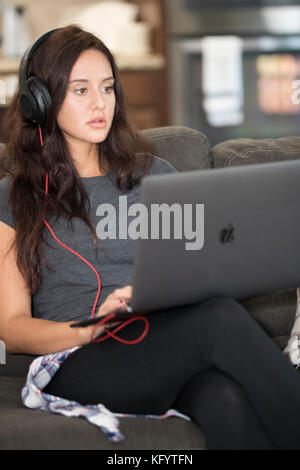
(230, 68)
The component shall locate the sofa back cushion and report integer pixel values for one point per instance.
(4, 160)
(248, 151)
(187, 149)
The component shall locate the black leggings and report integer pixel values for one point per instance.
(211, 361)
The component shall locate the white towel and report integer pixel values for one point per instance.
(222, 80)
(292, 349)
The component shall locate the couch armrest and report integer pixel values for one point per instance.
(187, 149)
(16, 365)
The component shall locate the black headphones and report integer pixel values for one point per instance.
(35, 99)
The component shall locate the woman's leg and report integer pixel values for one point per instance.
(147, 377)
(220, 407)
(241, 349)
(141, 379)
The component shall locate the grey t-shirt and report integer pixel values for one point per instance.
(69, 292)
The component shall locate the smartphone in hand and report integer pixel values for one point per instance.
(115, 315)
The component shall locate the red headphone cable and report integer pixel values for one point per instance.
(119, 327)
(111, 334)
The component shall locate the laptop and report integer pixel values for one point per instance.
(251, 236)
(231, 232)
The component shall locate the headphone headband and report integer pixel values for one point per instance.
(35, 98)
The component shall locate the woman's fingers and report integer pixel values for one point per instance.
(116, 300)
(111, 305)
(123, 293)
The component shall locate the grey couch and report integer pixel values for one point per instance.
(22, 428)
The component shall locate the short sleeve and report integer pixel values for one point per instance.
(6, 215)
(161, 167)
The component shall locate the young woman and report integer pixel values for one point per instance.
(210, 361)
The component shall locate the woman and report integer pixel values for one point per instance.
(210, 361)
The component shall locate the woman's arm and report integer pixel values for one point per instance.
(26, 335)
(35, 336)
(20, 332)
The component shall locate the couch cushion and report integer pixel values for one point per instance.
(10, 392)
(22, 428)
(248, 151)
(275, 313)
(5, 162)
(187, 149)
(16, 365)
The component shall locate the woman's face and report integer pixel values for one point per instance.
(88, 109)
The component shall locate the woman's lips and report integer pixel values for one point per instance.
(97, 123)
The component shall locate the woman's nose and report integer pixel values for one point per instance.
(97, 99)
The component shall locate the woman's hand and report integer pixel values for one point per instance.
(118, 299)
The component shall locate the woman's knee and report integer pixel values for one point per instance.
(219, 405)
(215, 392)
(227, 393)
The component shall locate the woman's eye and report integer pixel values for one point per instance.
(108, 89)
(80, 91)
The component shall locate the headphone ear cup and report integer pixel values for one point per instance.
(42, 100)
(28, 105)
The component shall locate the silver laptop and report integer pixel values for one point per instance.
(240, 235)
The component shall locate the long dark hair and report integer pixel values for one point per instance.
(125, 152)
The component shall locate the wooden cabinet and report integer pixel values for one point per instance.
(145, 97)
(146, 87)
